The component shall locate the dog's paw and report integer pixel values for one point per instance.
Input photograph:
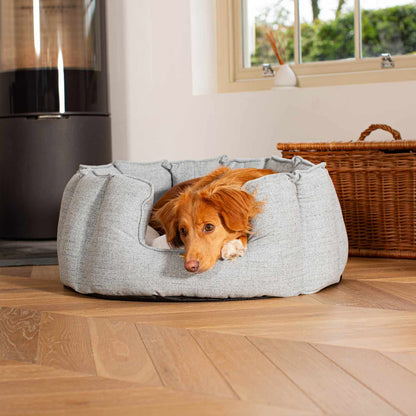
(232, 250)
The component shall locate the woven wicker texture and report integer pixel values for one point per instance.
(376, 186)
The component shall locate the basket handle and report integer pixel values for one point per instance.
(366, 132)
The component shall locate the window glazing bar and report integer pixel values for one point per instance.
(357, 30)
(297, 34)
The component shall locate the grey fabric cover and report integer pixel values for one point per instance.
(299, 247)
(247, 163)
(154, 172)
(188, 169)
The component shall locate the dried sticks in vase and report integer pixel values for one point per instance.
(279, 48)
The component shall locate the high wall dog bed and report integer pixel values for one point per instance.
(299, 245)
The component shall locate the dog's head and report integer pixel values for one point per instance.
(204, 220)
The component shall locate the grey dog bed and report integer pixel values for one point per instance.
(299, 245)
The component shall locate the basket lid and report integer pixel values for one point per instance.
(396, 144)
(342, 146)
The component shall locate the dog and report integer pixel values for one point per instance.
(210, 216)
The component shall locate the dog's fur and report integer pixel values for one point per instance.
(210, 216)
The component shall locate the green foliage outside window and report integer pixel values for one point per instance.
(390, 30)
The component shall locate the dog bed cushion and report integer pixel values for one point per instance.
(299, 245)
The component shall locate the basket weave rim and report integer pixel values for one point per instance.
(334, 146)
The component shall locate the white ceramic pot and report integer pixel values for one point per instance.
(285, 77)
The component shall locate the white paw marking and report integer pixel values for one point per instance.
(232, 250)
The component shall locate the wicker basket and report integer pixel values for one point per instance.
(376, 186)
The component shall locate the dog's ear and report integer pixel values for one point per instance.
(235, 206)
(167, 216)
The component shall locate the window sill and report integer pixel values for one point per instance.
(323, 80)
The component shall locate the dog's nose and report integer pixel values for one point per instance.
(192, 265)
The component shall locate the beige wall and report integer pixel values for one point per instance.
(159, 110)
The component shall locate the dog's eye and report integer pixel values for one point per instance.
(183, 231)
(208, 228)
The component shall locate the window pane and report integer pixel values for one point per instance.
(259, 16)
(327, 29)
(388, 26)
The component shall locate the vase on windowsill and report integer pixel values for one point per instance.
(285, 77)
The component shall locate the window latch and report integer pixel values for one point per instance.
(386, 61)
(268, 71)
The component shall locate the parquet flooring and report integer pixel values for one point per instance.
(347, 350)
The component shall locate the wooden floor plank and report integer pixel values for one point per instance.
(119, 352)
(124, 402)
(282, 313)
(227, 318)
(31, 389)
(9, 283)
(379, 269)
(405, 359)
(61, 384)
(26, 283)
(387, 330)
(56, 299)
(205, 408)
(369, 263)
(24, 271)
(394, 337)
(399, 279)
(19, 333)
(120, 309)
(64, 342)
(335, 390)
(41, 299)
(71, 402)
(181, 363)
(31, 372)
(405, 292)
(368, 294)
(4, 362)
(383, 376)
(45, 272)
(252, 376)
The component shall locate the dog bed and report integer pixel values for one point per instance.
(299, 245)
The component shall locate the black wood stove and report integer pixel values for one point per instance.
(54, 112)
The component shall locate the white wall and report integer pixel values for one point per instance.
(155, 113)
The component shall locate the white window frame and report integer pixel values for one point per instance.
(233, 77)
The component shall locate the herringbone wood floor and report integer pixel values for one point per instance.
(348, 350)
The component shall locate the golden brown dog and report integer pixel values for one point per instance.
(210, 216)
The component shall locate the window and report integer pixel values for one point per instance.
(327, 42)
